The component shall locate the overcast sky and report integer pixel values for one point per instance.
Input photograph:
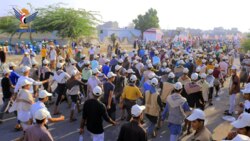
(203, 14)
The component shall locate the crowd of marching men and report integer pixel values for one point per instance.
(156, 81)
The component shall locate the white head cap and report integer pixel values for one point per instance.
(178, 86)
(74, 72)
(59, 65)
(156, 52)
(86, 62)
(204, 61)
(234, 68)
(211, 60)
(185, 70)
(137, 110)
(72, 61)
(82, 56)
(151, 75)
(45, 62)
(11, 64)
(164, 64)
(241, 137)
(133, 78)
(166, 56)
(135, 62)
(7, 71)
(120, 61)
(25, 82)
(148, 61)
(25, 69)
(107, 61)
(44, 93)
(111, 74)
(181, 62)
(203, 75)
(138, 58)
(41, 114)
(97, 91)
(242, 121)
(196, 114)
(95, 71)
(118, 67)
(194, 76)
(96, 56)
(154, 82)
(168, 70)
(198, 69)
(150, 65)
(171, 75)
(210, 71)
(130, 71)
(34, 62)
(216, 65)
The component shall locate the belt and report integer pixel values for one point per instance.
(130, 100)
(61, 83)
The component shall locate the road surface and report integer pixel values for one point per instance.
(67, 131)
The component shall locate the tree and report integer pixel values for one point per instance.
(68, 22)
(149, 20)
(8, 24)
(113, 38)
(246, 43)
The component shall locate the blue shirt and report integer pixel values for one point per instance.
(105, 69)
(146, 87)
(152, 54)
(187, 65)
(156, 60)
(141, 52)
(14, 77)
(152, 89)
(107, 88)
(113, 62)
(94, 64)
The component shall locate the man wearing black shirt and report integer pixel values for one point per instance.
(93, 114)
(133, 131)
(6, 86)
(109, 100)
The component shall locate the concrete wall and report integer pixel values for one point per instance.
(121, 33)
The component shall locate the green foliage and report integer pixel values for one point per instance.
(149, 20)
(113, 38)
(69, 23)
(8, 24)
(246, 43)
